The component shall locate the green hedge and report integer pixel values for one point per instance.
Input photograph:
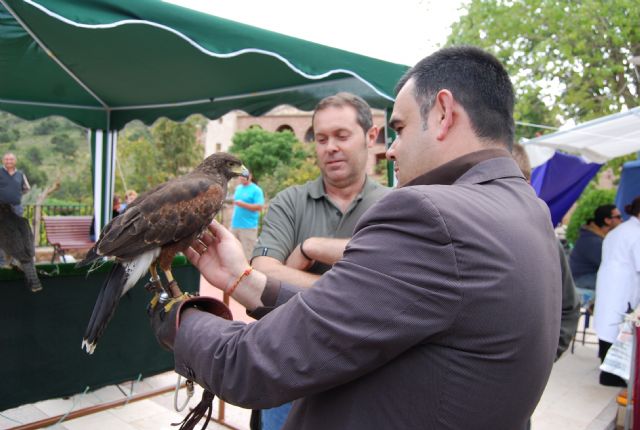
(41, 357)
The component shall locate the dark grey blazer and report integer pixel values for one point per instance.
(443, 314)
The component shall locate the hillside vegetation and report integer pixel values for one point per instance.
(49, 150)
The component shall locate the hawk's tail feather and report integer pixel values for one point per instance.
(105, 306)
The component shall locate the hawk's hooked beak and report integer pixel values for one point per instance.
(242, 171)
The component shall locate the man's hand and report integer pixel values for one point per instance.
(327, 250)
(166, 314)
(218, 255)
(294, 270)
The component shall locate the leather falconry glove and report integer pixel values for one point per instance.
(164, 314)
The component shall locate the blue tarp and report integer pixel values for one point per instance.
(561, 180)
(629, 187)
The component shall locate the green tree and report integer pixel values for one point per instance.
(151, 156)
(178, 148)
(285, 176)
(590, 199)
(616, 166)
(564, 56)
(35, 175)
(138, 160)
(76, 189)
(264, 151)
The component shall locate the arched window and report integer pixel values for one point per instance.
(284, 127)
(308, 136)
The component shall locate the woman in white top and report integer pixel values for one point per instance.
(618, 283)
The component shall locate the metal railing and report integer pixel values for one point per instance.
(52, 210)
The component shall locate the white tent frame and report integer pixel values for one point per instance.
(598, 140)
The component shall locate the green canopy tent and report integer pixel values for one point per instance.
(101, 64)
(104, 63)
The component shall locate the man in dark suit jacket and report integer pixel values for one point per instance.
(445, 309)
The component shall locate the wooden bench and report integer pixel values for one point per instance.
(65, 233)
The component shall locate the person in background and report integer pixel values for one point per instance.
(307, 226)
(13, 184)
(116, 209)
(248, 201)
(570, 303)
(587, 251)
(129, 197)
(617, 284)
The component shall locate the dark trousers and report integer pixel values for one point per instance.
(607, 378)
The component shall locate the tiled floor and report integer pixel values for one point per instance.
(573, 400)
(149, 414)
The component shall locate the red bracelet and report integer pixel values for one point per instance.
(240, 278)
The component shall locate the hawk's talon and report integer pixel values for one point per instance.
(154, 286)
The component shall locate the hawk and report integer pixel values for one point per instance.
(153, 229)
(16, 240)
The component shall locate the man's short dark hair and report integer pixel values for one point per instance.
(363, 110)
(477, 80)
(633, 208)
(601, 213)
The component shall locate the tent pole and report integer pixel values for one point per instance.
(96, 143)
(109, 171)
(103, 149)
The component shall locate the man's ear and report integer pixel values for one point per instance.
(443, 108)
(372, 135)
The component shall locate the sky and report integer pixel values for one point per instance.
(400, 31)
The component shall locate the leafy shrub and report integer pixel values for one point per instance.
(63, 144)
(45, 126)
(9, 134)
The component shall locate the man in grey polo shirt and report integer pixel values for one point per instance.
(308, 226)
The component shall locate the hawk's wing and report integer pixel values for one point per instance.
(16, 237)
(177, 210)
(27, 247)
